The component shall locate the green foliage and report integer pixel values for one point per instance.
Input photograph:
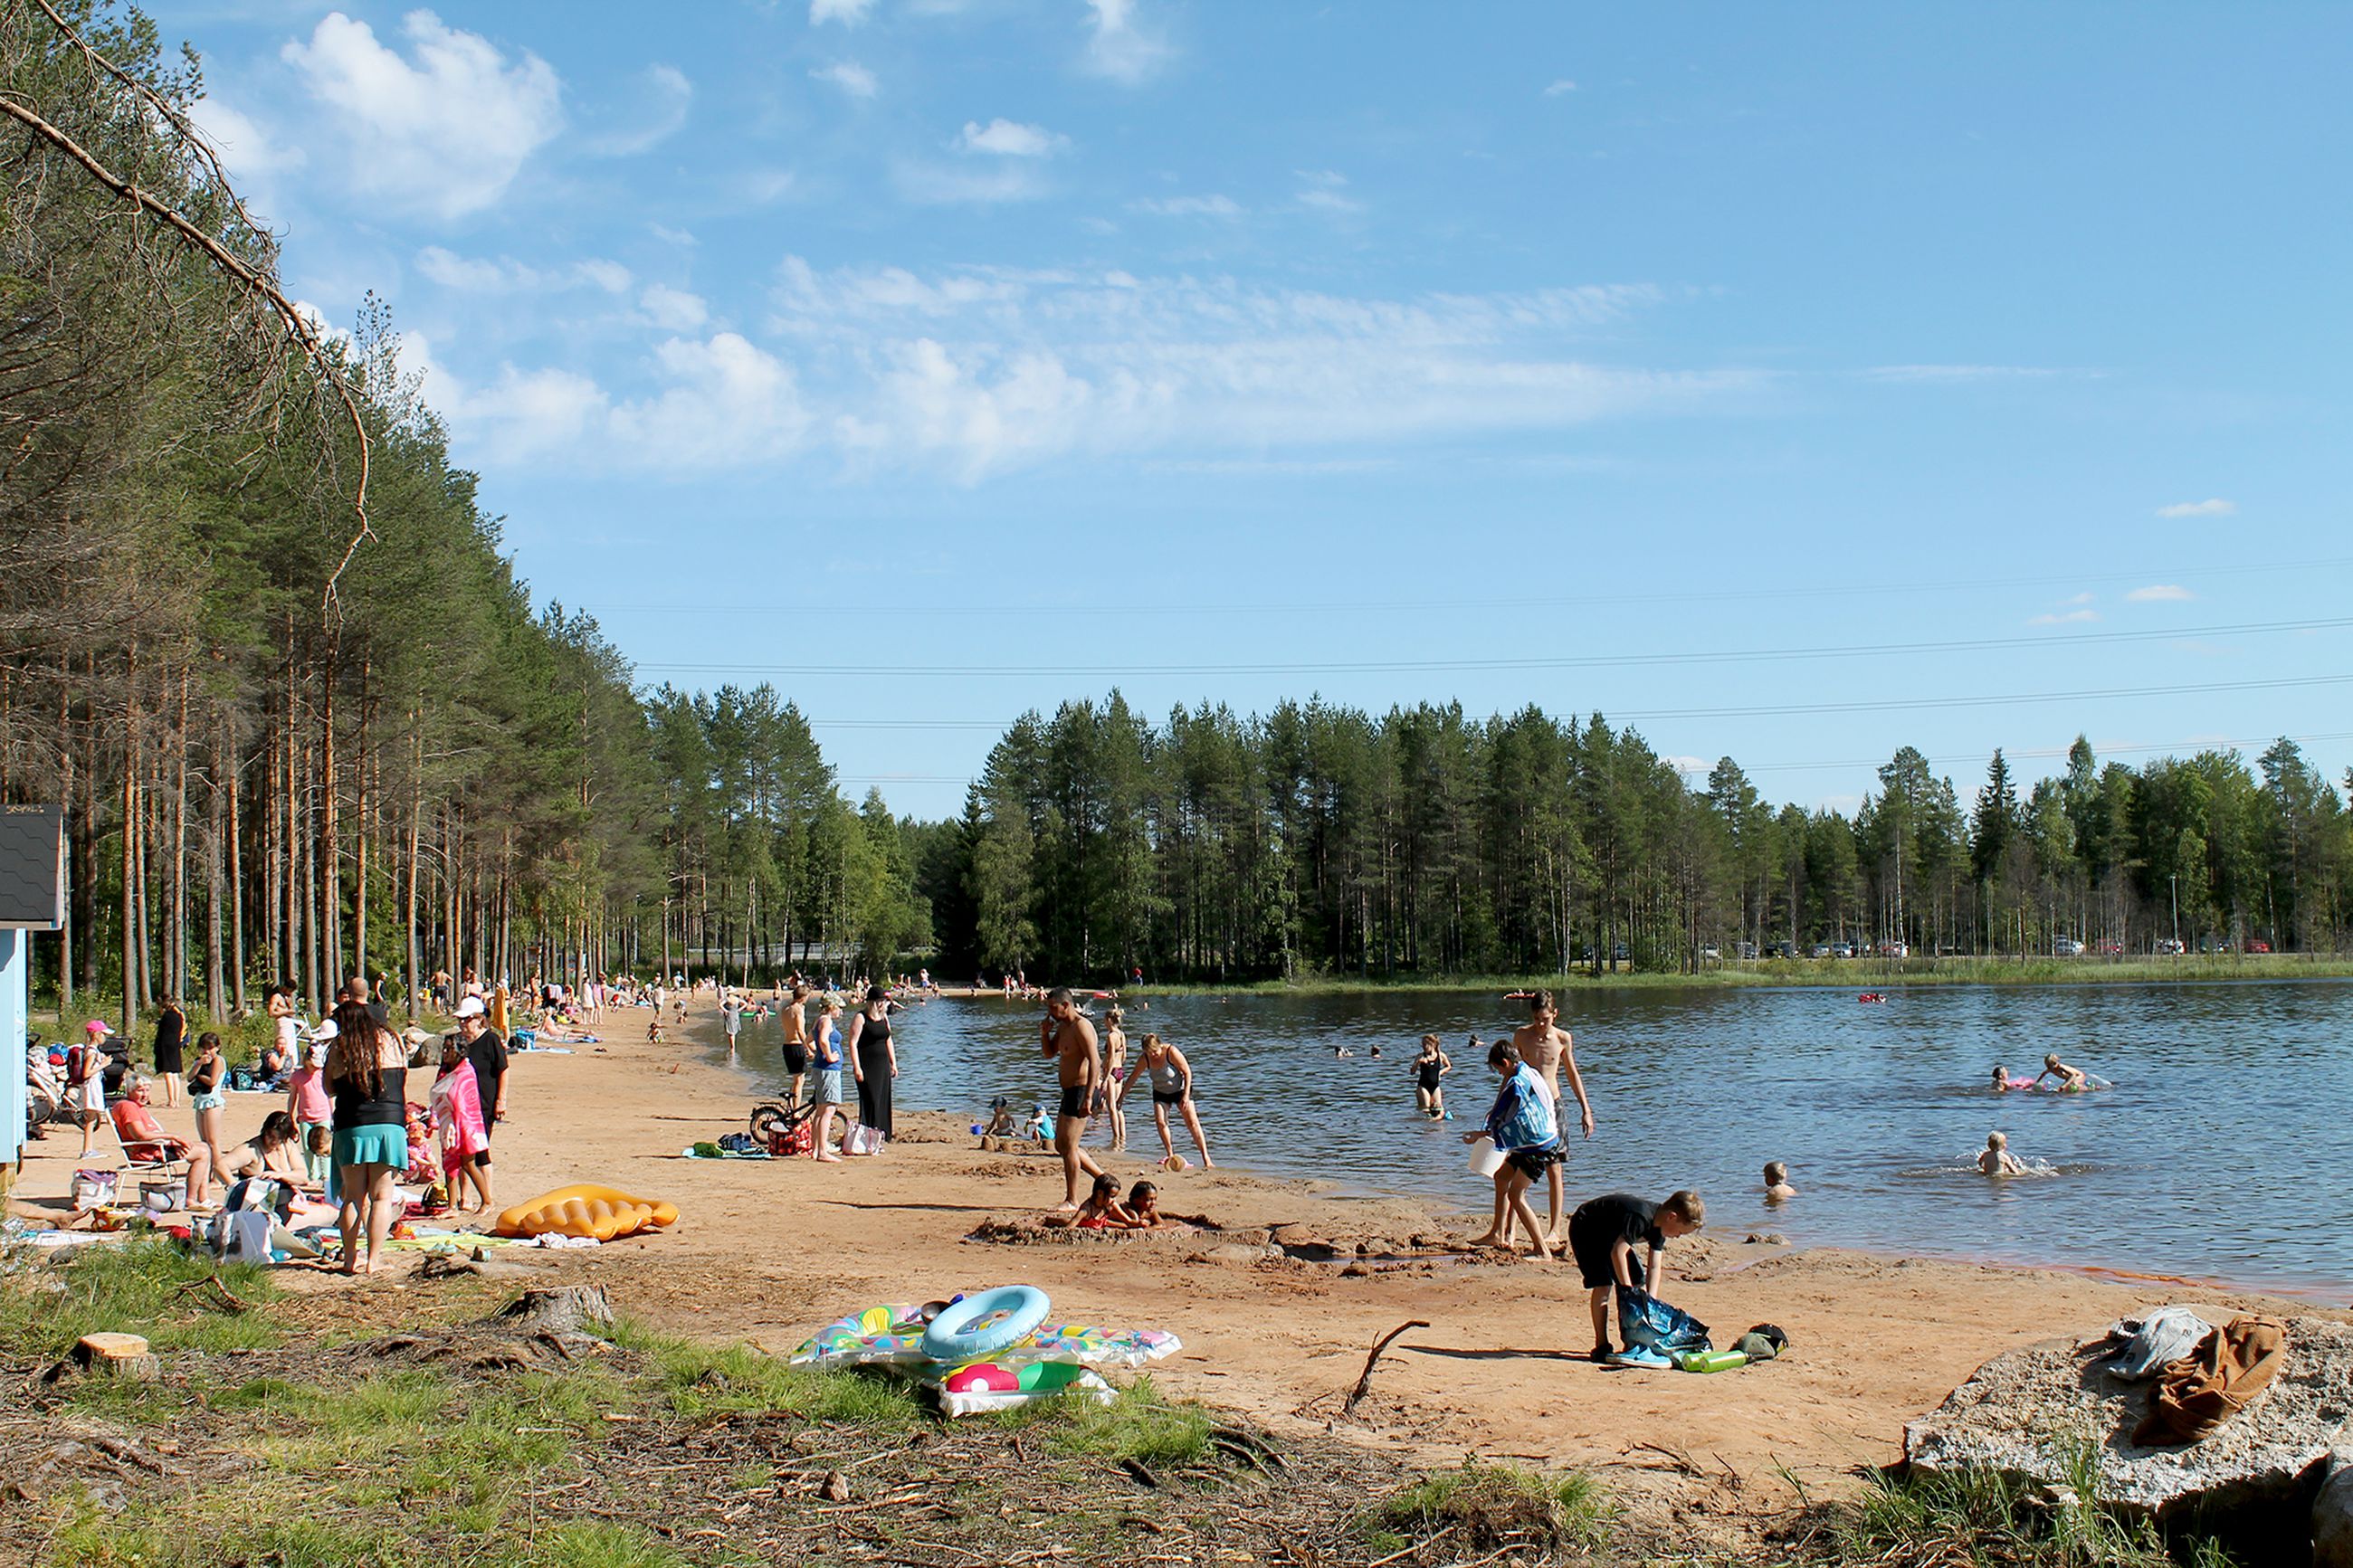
(1484, 1506)
(1138, 1424)
(698, 1379)
(1975, 1517)
(135, 1288)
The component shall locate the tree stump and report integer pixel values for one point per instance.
(116, 1355)
(567, 1309)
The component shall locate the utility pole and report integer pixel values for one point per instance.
(2173, 879)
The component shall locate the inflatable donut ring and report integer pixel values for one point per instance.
(584, 1209)
(985, 1322)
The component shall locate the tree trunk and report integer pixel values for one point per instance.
(232, 778)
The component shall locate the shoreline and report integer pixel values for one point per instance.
(1276, 1306)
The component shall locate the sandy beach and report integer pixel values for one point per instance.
(1278, 1306)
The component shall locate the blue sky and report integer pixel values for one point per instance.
(938, 360)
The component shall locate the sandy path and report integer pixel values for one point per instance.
(768, 1249)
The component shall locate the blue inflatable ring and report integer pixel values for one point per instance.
(985, 1322)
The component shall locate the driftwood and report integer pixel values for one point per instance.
(1364, 1379)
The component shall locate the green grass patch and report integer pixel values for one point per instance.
(225, 1531)
(698, 1379)
(1484, 1506)
(1138, 1425)
(1977, 1517)
(133, 1288)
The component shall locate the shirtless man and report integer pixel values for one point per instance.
(1066, 1035)
(796, 1040)
(1545, 1046)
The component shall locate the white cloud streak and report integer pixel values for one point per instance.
(1211, 206)
(1008, 139)
(1559, 88)
(665, 100)
(2160, 594)
(505, 275)
(445, 135)
(2214, 506)
(849, 13)
(1118, 47)
(849, 76)
(2063, 618)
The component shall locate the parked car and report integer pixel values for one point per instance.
(1894, 950)
(2170, 944)
(1820, 950)
(2066, 947)
(1709, 955)
(1746, 950)
(1841, 949)
(2259, 945)
(2112, 949)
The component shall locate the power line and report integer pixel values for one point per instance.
(1571, 661)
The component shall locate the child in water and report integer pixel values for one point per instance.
(1431, 1066)
(2001, 1080)
(1997, 1159)
(2068, 1077)
(1777, 1189)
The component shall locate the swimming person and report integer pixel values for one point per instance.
(2001, 1080)
(1427, 1068)
(1523, 1126)
(1997, 1159)
(1777, 1189)
(1602, 1234)
(1546, 1048)
(2068, 1077)
(1172, 1088)
(1065, 1035)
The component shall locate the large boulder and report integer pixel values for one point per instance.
(2027, 1414)
(2332, 1516)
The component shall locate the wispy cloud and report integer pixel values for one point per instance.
(1957, 372)
(2214, 506)
(2063, 618)
(1325, 190)
(663, 102)
(674, 309)
(1563, 85)
(1210, 205)
(849, 76)
(505, 275)
(2160, 594)
(849, 13)
(1119, 47)
(970, 184)
(1008, 139)
(446, 134)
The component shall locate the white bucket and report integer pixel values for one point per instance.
(1486, 1158)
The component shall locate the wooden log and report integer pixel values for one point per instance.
(116, 1355)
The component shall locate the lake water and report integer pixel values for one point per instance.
(2224, 1151)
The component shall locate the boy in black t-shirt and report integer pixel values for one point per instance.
(1602, 1234)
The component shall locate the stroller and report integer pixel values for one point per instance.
(782, 1129)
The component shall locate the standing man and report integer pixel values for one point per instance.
(796, 1040)
(1067, 1037)
(1545, 1046)
(487, 1053)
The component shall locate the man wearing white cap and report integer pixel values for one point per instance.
(487, 1053)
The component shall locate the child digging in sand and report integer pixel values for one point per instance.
(1523, 1129)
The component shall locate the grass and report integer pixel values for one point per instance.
(134, 1287)
(694, 1380)
(1483, 1506)
(1975, 1517)
(1138, 1425)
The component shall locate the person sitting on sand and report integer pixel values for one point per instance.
(1997, 1159)
(276, 1152)
(1601, 1234)
(1428, 1068)
(2068, 1077)
(1103, 1210)
(1524, 1128)
(999, 1128)
(1172, 1089)
(1777, 1189)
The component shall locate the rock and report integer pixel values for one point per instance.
(1235, 1252)
(1768, 1238)
(2332, 1515)
(1356, 1272)
(834, 1487)
(2018, 1413)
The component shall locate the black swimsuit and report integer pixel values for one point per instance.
(1427, 1072)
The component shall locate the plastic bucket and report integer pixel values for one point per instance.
(1486, 1158)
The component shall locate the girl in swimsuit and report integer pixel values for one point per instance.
(1427, 1068)
(1172, 1088)
(1113, 1087)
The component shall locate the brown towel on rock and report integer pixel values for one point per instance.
(2214, 1383)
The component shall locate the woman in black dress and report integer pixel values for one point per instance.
(171, 1035)
(876, 1058)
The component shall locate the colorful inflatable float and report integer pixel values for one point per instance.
(1045, 1362)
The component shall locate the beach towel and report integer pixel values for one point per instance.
(1646, 1322)
(2202, 1390)
(2167, 1335)
(1523, 1114)
(458, 1117)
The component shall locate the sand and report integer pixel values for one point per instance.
(1278, 1309)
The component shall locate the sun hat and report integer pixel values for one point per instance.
(320, 1033)
(470, 1008)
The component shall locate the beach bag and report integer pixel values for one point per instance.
(262, 1195)
(861, 1139)
(1645, 1320)
(800, 1138)
(94, 1189)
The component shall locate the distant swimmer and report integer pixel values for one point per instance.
(1997, 1159)
(1777, 1189)
(2068, 1077)
(1339, 1051)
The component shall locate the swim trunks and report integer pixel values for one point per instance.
(1074, 1100)
(1534, 1162)
(797, 1058)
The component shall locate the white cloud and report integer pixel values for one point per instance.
(849, 76)
(1559, 87)
(1119, 48)
(1211, 206)
(849, 13)
(505, 275)
(2160, 594)
(1961, 372)
(969, 184)
(1008, 139)
(667, 98)
(445, 135)
(2214, 507)
(674, 309)
(2063, 618)
(1324, 190)
(672, 236)
(253, 157)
